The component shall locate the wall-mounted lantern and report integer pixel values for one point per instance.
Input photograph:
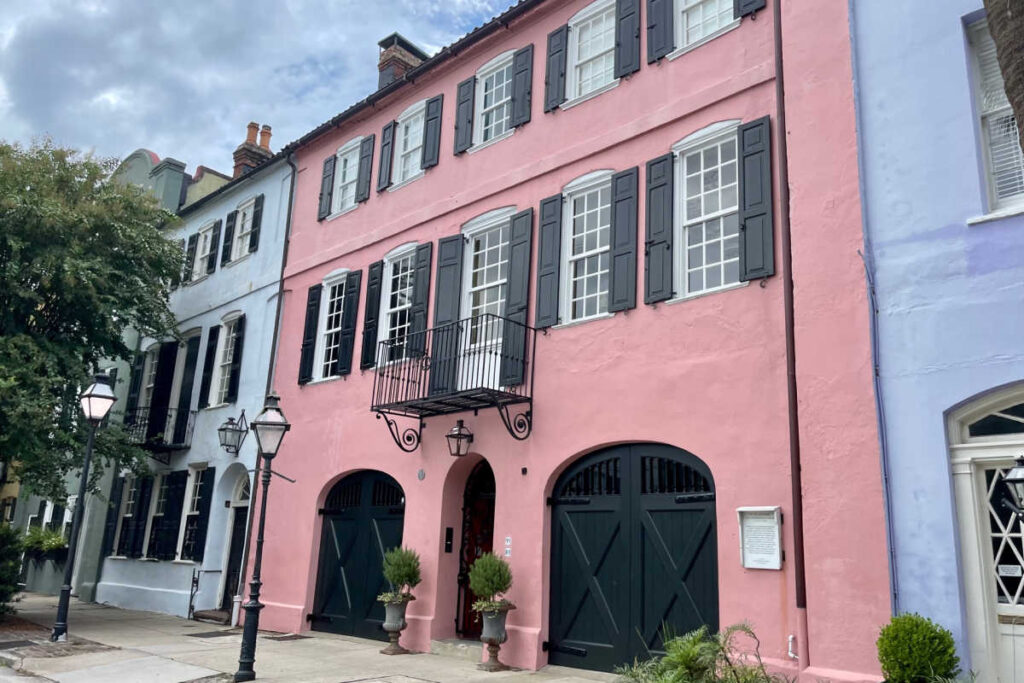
(459, 438)
(232, 434)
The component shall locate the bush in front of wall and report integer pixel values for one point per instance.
(489, 578)
(402, 570)
(10, 566)
(914, 649)
(42, 540)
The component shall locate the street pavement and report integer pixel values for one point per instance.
(111, 644)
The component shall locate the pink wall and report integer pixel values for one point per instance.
(706, 375)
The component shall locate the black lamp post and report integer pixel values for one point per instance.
(96, 402)
(1014, 481)
(459, 438)
(269, 427)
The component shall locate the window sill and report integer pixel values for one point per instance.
(339, 214)
(569, 104)
(679, 52)
(197, 280)
(217, 406)
(1005, 212)
(583, 321)
(701, 295)
(412, 179)
(325, 380)
(148, 559)
(237, 260)
(118, 557)
(493, 141)
(193, 562)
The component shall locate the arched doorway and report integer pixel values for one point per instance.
(238, 519)
(633, 548)
(363, 518)
(477, 539)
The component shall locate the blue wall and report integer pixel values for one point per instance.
(949, 294)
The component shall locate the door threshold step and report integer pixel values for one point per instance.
(470, 650)
(212, 616)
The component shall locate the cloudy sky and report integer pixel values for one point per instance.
(184, 77)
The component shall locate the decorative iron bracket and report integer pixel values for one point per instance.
(519, 425)
(408, 440)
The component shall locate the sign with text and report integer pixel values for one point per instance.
(760, 537)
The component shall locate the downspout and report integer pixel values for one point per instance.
(796, 479)
(290, 160)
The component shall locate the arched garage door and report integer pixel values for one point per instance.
(363, 518)
(633, 547)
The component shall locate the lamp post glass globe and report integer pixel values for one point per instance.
(270, 427)
(1015, 482)
(231, 434)
(98, 398)
(459, 438)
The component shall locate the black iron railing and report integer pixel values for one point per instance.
(160, 429)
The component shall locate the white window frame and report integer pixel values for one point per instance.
(572, 47)
(494, 66)
(190, 501)
(582, 185)
(203, 241)
(218, 394)
(348, 151)
(149, 369)
(159, 486)
(418, 110)
(384, 324)
(491, 220)
(333, 279)
(129, 484)
(243, 228)
(678, 8)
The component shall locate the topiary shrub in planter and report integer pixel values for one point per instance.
(10, 567)
(402, 570)
(914, 649)
(490, 578)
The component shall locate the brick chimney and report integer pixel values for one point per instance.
(249, 154)
(397, 56)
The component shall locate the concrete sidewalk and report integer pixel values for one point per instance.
(149, 647)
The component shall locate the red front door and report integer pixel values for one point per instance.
(477, 539)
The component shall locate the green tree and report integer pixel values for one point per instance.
(82, 259)
(1006, 24)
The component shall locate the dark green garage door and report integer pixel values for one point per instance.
(633, 548)
(363, 518)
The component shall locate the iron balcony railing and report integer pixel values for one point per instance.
(160, 429)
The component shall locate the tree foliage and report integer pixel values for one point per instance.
(82, 260)
(1006, 24)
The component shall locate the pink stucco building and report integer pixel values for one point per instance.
(605, 177)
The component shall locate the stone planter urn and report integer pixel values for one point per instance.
(493, 634)
(394, 624)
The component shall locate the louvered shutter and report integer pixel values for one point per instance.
(365, 168)
(371, 315)
(113, 511)
(464, 101)
(757, 242)
(188, 378)
(660, 29)
(417, 342)
(137, 530)
(741, 8)
(387, 149)
(209, 360)
(627, 37)
(257, 223)
(622, 292)
(134, 389)
(522, 86)
(549, 257)
(517, 299)
(229, 236)
(309, 332)
(431, 152)
(164, 542)
(203, 524)
(326, 188)
(554, 77)
(349, 315)
(190, 258)
(161, 399)
(444, 351)
(236, 360)
(211, 260)
(659, 230)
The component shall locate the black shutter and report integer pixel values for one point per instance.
(444, 352)
(660, 29)
(113, 510)
(308, 347)
(757, 243)
(190, 258)
(465, 99)
(431, 152)
(741, 8)
(205, 497)
(134, 388)
(211, 260)
(236, 360)
(164, 543)
(161, 400)
(137, 528)
(387, 149)
(188, 380)
(622, 291)
(554, 78)
(229, 236)
(257, 221)
(627, 37)
(209, 360)
(522, 86)
(549, 257)
(659, 230)
(326, 188)
(365, 168)
(371, 315)
(349, 314)
(517, 299)
(417, 342)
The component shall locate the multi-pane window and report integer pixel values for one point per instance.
(189, 540)
(710, 217)
(409, 145)
(494, 101)
(592, 51)
(227, 356)
(699, 19)
(243, 228)
(130, 496)
(488, 278)
(149, 377)
(589, 222)
(346, 172)
(334, 299)
(1003, 156)
(397, 313)
(204, 245)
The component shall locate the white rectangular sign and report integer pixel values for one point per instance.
(1009, 570)
(760, 537)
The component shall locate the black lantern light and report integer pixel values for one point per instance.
(1015, 482)
(270, 427)
(459, 438)
(232, 434)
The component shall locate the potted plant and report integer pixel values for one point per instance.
(41, 543)
(402, 570)
(490, 578)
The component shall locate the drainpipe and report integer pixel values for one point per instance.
(787, 299)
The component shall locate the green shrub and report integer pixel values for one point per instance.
(913, 649)
(402, 570)
(490, 577)
(40, 539)
(10, 566)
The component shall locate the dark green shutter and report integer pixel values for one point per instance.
(308, 347)
(209, 360)
(190, 258)
(164, 545)
(554, 78)
(522, 86)
(659, 230)
(113, 511)
(444, 352)
(257, 221)
(417, 342)
(549, 257)
(203, 523)
(517, 299)
(188, 379)
(387, 151)
(365, 168)
(134, 389)
(236, 360)
(622, 290)
(660, 29)
(229, 236)
(211, 260)
(161, 400)
(137, 528)
(627, 37)
(757, 243)
(741, 8)
(326, 188)
(465, 100)
(349, 315)
(431, 152)
(371, 315)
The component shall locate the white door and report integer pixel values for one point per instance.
(485, 287)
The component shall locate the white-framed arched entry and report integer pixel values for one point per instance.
(232, 584)
(985, 435)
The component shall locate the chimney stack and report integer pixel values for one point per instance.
(397, 57)
(251, 154)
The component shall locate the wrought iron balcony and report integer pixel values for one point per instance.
(481, 362)
(160, 429)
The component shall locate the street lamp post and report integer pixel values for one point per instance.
(270, 427)
(96, 402)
